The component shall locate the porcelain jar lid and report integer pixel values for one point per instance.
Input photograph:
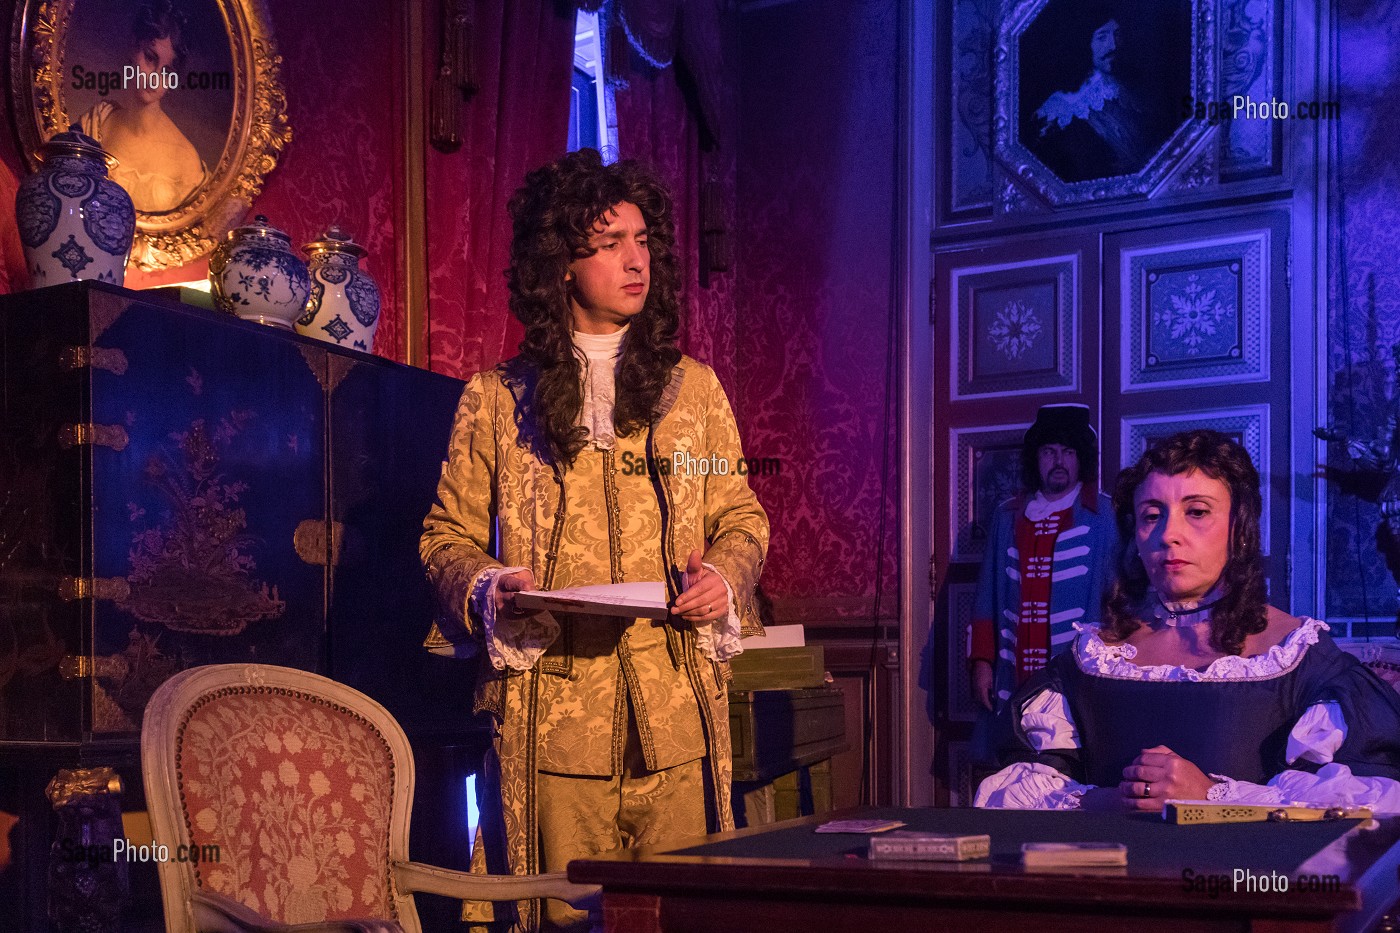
(259, 229)
(72, 143)
(335, 240)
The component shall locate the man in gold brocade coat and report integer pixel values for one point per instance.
(600, 454)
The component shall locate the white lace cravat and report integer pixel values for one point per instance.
(602, 355)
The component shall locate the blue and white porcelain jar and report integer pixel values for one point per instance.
(344, 304)
(254, 274)
(74, 221)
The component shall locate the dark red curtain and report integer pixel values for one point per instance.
(13, 277)
(516, 121)
(660, 121)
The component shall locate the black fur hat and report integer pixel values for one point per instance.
(1066, 424)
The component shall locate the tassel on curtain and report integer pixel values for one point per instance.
(457, 76)
(714, 230)
(460, 54)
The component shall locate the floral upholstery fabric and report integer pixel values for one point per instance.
(296, 794)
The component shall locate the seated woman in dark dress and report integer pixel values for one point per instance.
(1194, 687)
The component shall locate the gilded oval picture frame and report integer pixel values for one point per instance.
(186, 95)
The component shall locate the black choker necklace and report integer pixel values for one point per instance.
(1174, 616)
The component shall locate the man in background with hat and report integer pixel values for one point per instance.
(1050, 557)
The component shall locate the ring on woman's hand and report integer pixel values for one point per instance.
(1147, 788)
(707, 609)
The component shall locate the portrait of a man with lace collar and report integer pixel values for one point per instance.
(1102, 85)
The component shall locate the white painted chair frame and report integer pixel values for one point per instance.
(190, 909)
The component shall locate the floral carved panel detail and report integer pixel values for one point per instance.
(1196, 313)
(970, 129)
(1248, 67)
(1015, 328)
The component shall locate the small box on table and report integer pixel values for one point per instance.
(929, 847)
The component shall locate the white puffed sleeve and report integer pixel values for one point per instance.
(1048, 725)
(1047, 722)
(1316, 737)
(1030, 786)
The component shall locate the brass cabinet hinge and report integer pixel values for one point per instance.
(109, 359)
(75, 667)
(98, 435)
(74, 588)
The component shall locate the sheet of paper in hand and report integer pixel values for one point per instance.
(632, 600)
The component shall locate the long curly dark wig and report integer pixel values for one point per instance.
(554, 213)
(1242, 610)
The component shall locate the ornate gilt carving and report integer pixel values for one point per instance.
(259, 133)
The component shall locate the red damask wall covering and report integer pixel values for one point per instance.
(816, 241)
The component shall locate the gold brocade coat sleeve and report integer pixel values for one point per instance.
(456, 546)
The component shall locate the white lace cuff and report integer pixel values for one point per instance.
(1332, 786)
(511, 641)
(1220, 788)
(1228, 790)
(1335, 786)
(1317, 735)
(719, 640)
(1047, 722)
(1030, 786)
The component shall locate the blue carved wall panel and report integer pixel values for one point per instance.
(962, 598)
(1015, 326)
(970, 117)
(1196, 313)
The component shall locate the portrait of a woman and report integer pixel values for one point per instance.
(1194, 687)
(157, 164)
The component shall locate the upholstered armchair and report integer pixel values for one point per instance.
(284, 800)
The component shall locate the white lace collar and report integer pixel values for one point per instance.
(1095, 656)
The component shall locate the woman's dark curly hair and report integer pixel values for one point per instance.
(160, 19)
(554, 214)
(1242, 609)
